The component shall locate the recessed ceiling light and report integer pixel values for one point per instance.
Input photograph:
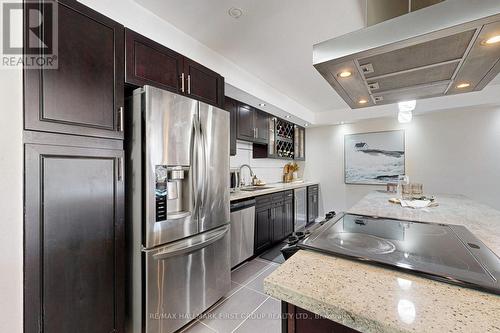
(306, 124)
(288, 116)
(345, 74)
(463, 85)
(262, 104)
(235, 12)
(362, 101)
(492, 40)
(342, 122)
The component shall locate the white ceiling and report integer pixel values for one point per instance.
(272, 40)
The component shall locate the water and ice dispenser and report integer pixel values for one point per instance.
(172, 192)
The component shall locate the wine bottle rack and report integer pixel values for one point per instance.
(284, 130)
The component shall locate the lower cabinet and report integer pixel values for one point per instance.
(274, 219)
(263, 228)
(74, 239)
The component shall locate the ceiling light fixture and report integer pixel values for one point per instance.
(362, 101)
(288, 116)
(306, 124)
(235, 12)
(463, 85)
(407, 105)
(345, 74)
(405, 114)
(492, 40)
(262, 104)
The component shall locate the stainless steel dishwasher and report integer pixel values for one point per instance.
(242, 231)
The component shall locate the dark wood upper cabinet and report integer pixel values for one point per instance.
(148, 62)
(74, 239)
(84, 95)
(231, 106)
(252, 124)
(262, 126)
(203, 84)
(245, 123)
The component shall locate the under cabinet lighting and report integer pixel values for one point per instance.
(492, 40)
(463, 85)
(345, 74)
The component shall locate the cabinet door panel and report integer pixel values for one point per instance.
(148, 62)
(84, 94)
(288, 218)
(262, 126)
(231, 106)
(278, 222)
(245, 128)
(203, 83)
(263, 236)
(74, 251)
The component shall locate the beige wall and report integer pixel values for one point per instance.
(11, 201)
(454, 151)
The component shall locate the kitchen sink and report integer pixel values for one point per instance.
(255, 188)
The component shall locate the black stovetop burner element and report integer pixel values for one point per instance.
(444, 252)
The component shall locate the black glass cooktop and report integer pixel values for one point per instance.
(444, 252)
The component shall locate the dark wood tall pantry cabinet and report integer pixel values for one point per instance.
(74, 225)
(74, 182)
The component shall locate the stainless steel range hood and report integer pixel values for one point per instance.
(436, 51)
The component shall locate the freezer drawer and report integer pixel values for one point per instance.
(185, 278)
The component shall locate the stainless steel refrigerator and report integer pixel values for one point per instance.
(178, 209)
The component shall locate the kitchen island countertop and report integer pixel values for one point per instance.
(370, 298)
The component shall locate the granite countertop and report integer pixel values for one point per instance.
(270, 188)
(370, 298)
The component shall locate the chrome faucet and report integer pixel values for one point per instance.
(252, 175)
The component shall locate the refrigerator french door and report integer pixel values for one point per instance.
(178, 201)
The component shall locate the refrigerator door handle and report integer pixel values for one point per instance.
(196, 166)
(203, 166)
(192, 244)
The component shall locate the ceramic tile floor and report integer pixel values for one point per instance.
(245, 308)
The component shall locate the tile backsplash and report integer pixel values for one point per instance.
(269, 170)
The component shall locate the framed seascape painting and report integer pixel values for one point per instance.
(374, 158)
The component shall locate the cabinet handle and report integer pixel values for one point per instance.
(189, 84)
(257, 133)
(120, 169)
(120, 118)
(182, 82)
